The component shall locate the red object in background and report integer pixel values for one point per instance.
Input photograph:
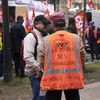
(90, 4)
(45, 2)
(33, 14)
(98, 8)
(27, 23)
(79, 17)
(46, 13)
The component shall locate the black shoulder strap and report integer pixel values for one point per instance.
(35, 52)
(35, 35)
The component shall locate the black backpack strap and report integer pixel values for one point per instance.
(35, 35)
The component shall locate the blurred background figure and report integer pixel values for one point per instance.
(1, 52)
(91, 36)
(17, 33)
(98, 40)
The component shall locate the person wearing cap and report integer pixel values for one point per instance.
(31, 43)
(91, 36)
(63, 58)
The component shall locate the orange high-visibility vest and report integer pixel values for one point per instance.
(62, 63)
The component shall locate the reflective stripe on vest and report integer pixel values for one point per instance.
(50, 71)
(48, 53)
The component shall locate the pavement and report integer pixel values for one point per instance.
(90, 92)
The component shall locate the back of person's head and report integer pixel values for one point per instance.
(20, 19)
(58, 19)
(41, 18)
(41, 23)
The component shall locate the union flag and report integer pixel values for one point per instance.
(28, 27)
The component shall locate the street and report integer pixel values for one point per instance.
(90, 92)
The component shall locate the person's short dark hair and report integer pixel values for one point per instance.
(41, 18)
(58, 18)
(19, 18)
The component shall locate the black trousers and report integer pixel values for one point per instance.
(19, 68)
(1, 69)
(94, 49)
(57, 94)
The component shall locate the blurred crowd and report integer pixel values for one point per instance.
(18, 33)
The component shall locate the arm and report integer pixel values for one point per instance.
(40, 56)
(40, 59)
(82, 52)
(32, 66)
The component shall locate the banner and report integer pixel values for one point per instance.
(68, 4)
(23, 1)
(40, 6)
(79, 22)
(90, 4)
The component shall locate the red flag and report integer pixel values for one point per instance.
(90, 4)
(27, 23)
(68, 4)
(46, 13)
(79, 22)
(98, 8)
(33, 14)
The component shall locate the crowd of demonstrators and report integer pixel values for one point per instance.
(37, 57)
(91, 36)
(17, 34)
(1, 51)
(59, 72)
(31, 42)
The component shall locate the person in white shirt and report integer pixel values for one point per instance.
(32, 67)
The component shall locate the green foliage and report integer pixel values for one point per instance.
(92, 73)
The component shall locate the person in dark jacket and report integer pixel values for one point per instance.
(17, 35)
(1, 53)
(98, 40)
(91, 37)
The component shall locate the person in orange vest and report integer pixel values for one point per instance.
(91, 36)
(62, 57)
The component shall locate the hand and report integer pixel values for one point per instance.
(39, 74)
